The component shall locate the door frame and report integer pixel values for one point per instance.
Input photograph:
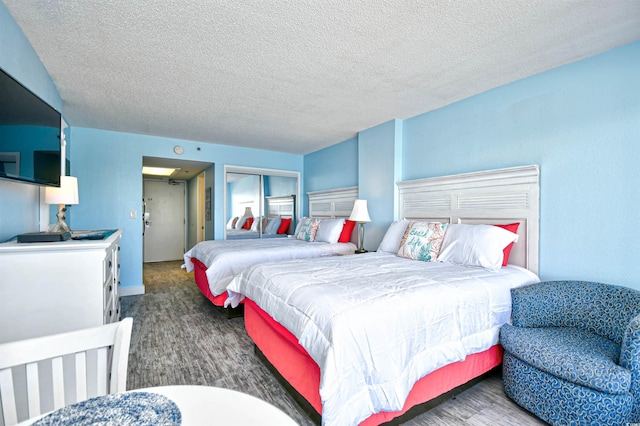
(256, 171)
(200, 183)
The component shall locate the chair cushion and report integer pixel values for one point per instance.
(571, 354)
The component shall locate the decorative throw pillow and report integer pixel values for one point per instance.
(232, 222)
(308, 230)
(248, 223)
(347, 231)
(476, 245)
(284, 225)
(422, 241)
(329, 230)
(392, 238)
(513, 227)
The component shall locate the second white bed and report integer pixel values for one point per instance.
(225, 259)
(376, 323)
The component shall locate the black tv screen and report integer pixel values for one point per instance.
(29, 135)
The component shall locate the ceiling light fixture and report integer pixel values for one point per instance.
(157, 171)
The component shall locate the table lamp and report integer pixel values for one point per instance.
(66, 194)
(360, 214)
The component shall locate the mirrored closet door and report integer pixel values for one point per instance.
(260, 203)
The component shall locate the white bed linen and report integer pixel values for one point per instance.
(376, 323)
(226, 258)
(244, 234)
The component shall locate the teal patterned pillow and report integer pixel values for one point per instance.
(308, 229)
(422, 241)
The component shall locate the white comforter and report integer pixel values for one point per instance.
(226, 258)
(376, 323)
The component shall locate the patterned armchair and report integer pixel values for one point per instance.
(572, 352)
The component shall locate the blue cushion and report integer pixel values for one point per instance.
(572, 354)
(559, 402)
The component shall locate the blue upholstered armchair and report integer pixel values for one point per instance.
(572, 352)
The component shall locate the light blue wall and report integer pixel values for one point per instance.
(379, 170)
(330, 168)
(108, 166)
(20, 202)
(581, 124)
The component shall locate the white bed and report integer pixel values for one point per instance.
(377, 324)
(226, 259)
(347, 312)
(216, 262)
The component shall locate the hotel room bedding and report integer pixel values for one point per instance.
(244, 234)
(224, 259)
(348, 312)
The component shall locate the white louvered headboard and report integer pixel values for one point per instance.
(494, 196)
(332, 203)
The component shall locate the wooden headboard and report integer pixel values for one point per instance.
(494, 196)
(332, 203)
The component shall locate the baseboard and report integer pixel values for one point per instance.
(131, 291)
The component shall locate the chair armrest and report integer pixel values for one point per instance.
(630, 352)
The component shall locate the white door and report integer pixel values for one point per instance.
(164, 228)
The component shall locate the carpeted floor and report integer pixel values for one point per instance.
(180, 338)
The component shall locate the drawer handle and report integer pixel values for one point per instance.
(110, 311)
(109, 264)
(110, 288)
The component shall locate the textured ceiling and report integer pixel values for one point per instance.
(297, 76)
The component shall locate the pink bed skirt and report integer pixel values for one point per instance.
(200, 276)
(293, 362)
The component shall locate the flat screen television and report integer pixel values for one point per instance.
(30, 129)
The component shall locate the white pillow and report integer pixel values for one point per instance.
(391, 241)
(329, 230)
(299, 225)
(272, 225)
(475, 245)
(232, 222)
(256, 223)
(240, 222)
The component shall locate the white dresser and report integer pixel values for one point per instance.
(48, 288)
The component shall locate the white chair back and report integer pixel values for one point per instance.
(47, 373)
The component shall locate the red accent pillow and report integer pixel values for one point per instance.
(347, 229)
(513, 227)
(248, 223)
(284, 226)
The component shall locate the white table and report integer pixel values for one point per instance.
(207, 405)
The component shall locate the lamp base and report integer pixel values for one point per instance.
(61, 225)
(359, 251)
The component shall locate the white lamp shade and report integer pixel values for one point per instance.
(66, 194)
(360, 212)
